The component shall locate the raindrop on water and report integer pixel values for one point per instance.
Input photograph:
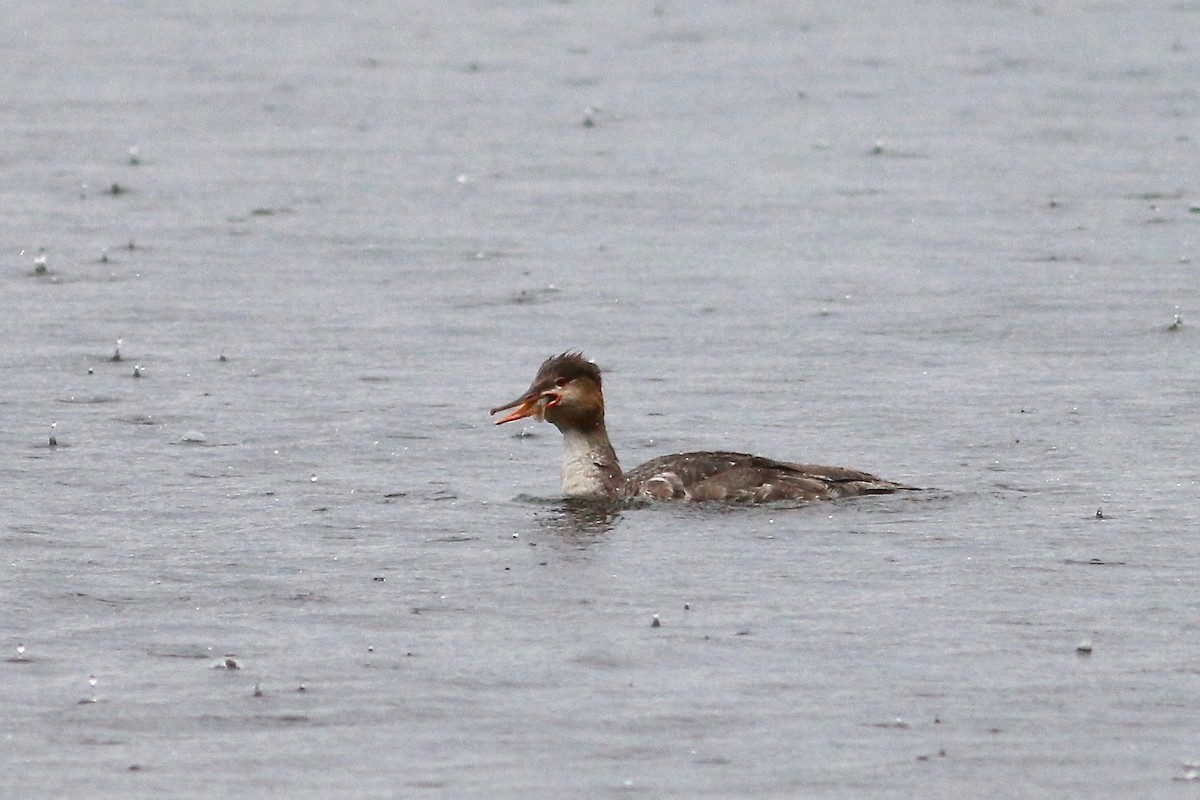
(92, 683)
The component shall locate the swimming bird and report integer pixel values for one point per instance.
(567, 392)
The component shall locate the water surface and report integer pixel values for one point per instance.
(942, 242)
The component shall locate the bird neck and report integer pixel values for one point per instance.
(590, 466)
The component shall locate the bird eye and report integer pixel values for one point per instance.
(561, 382)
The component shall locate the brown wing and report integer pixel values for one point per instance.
(743, 478)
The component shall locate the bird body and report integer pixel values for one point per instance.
(567, 392)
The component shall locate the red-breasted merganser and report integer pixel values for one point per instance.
(567, 393)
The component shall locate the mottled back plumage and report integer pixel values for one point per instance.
(743, 478)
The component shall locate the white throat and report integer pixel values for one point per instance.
(590, 467)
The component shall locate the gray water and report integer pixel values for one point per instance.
(943, 242)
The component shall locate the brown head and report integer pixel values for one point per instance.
(565, 392)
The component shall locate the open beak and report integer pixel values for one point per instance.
(530, 404)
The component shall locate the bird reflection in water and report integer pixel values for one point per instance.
(583, 521)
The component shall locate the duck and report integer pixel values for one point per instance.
(567, 392)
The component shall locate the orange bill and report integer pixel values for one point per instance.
(529, 405)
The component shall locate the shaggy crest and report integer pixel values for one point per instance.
(570, 365)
